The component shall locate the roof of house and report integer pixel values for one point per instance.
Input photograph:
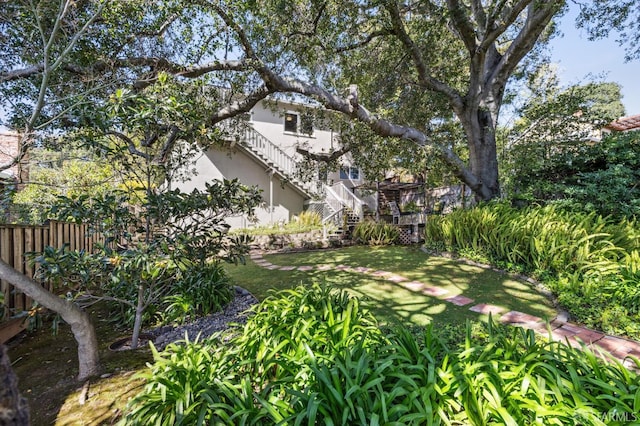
(625, 123)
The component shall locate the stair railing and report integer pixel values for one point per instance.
(334, 219)
(275, 156)
(347, 198)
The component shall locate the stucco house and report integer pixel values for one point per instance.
(261, 151)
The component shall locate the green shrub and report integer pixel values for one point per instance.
(585, 177)
(589, 261)
(375, 233)
(196, 293)
(311, 356)
(306, 221)
(271, 355)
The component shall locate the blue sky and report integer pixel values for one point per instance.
(577, 57)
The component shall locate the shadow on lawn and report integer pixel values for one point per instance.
(46, 364)
(392, 302)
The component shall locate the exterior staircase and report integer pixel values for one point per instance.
(341, 210)
(338, 206)
(261, 148)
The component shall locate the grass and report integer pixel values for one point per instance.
(389, 301)
(46, 365)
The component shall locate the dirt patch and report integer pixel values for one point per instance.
(47, 368)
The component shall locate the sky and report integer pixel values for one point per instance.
(577, 57)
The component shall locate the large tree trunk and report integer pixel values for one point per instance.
(81, 326)
(483, 160)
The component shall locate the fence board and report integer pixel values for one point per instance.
(5, 254)
(18, 264)
(16, 240)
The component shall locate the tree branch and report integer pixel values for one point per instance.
(462, 25)
(479, 13)
(373, 35)
(539, 15)
(424, 77)
(323, 156)
(350, 107)
(21, 73)
(157, 63)
(380, 126)
(316, 20)
(241, 106)
(130, 144)
(172, 137)
(507, 17)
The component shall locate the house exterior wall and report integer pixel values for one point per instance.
(281, 202)
(269, 121)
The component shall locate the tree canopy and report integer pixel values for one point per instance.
(398, 68)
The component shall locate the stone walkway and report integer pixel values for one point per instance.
(561, 330)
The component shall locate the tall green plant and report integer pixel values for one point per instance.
(287, 366)
(375, 233)
(149, 253)
(590, 261)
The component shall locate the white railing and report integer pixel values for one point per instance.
(334, 220)
(347, 198)
(332, 199)
(272, 154)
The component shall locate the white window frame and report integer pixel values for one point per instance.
(299, 119)
(297, 122)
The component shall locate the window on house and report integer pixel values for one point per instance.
(354, 173)
(291, 122)
(349, 172)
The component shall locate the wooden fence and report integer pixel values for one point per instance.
(16, 240)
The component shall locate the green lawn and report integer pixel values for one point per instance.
(392, 302)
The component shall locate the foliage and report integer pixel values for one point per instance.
(553, 151)
(304, 371)
(197, 292)
(305, 222)
(590, 262)
(67, 173)
(177, 289)
(600, 177)
(157, 263)
(623, 16)
(393, 53)
(211, 381)
(309, 219)
(375, 233)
